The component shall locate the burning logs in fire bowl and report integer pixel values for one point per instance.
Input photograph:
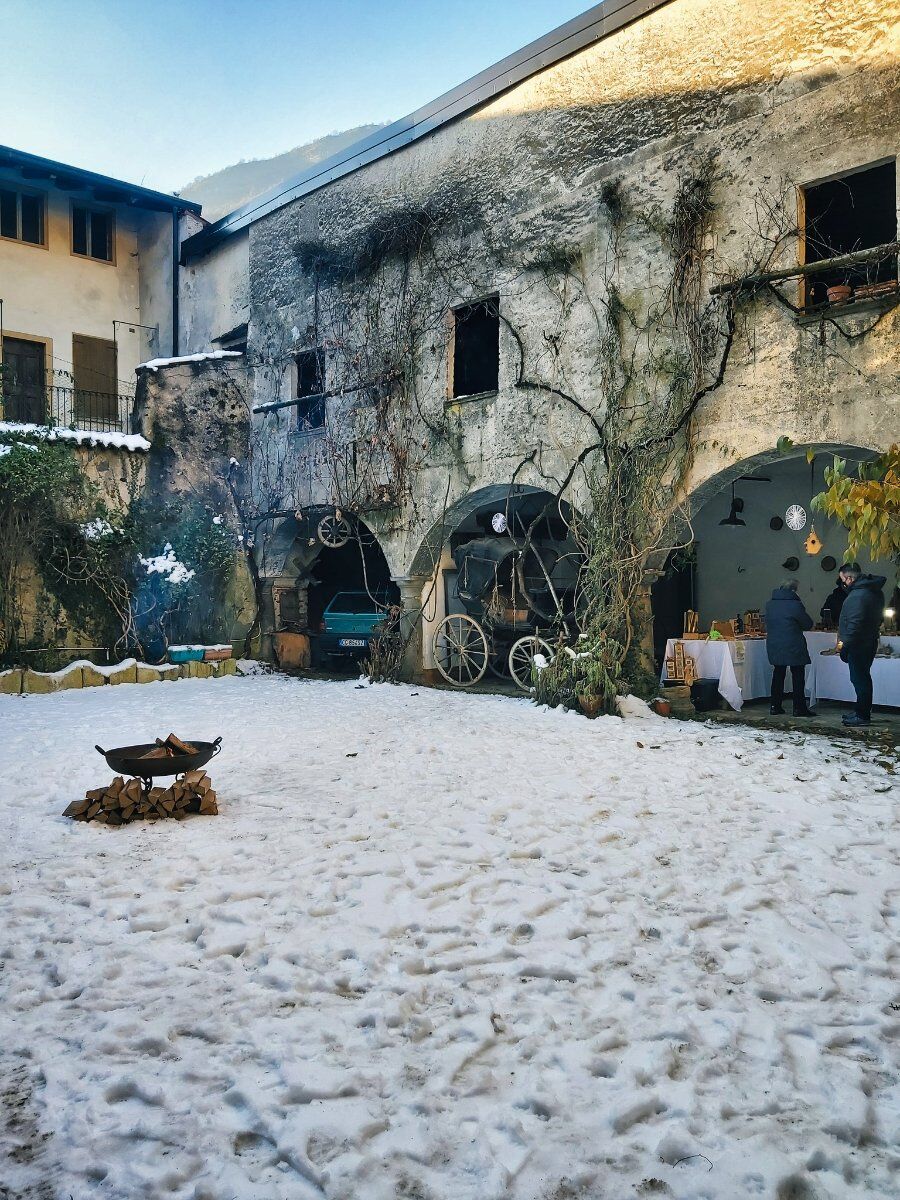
(137, 800)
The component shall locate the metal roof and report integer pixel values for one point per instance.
(33, 168)
(592, 26)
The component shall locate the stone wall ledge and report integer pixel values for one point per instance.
(84, 674)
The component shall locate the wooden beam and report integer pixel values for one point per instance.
(801, 270)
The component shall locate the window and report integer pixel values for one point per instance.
(22, 216)
(93, 233)
(476, 347)
(854, 212)
(310, 386)
(95, 367)
(234, 339)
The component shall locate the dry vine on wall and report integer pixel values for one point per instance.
(632, 367)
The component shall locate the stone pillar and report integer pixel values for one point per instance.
(411, 587)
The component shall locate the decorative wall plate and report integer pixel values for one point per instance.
(776, 523)
(795, 517)
(498, 522)
(791, 564)
(828, 563)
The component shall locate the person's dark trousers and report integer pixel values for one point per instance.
(859, 660)
(798, 679)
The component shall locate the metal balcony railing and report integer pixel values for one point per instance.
(103, 412)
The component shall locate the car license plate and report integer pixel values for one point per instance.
(347, 643)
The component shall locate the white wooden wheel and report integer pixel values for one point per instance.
(334, 532)
(460, 650)
(522, 656)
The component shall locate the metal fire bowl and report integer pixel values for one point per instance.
(127, 760)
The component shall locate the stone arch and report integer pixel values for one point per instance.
(302, 575)
(733, 570)
(499, 494)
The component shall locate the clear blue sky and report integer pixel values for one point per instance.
(160, 91)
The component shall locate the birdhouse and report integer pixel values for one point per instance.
(813, 543)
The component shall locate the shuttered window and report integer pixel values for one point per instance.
(96, 377)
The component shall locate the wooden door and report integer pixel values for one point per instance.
(95, 368)
(24, 381)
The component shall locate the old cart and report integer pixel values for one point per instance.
(513, 592)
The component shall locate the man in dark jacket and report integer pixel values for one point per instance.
(786, 622)
(858, 631)
(831, 609)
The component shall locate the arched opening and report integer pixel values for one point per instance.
(315, 558)
(743, 550)
(517, 596)
(751, 528)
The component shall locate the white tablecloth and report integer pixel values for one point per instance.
(830, 678)
(744, 673)
(714, 660)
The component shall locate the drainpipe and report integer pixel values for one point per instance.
(176, 255)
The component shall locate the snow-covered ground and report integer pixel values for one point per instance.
(446, 947)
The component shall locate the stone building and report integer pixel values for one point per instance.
(444, 311)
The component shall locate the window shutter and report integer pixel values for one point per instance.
(96, 377)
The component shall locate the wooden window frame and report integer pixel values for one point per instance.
(93, 208)
(319, 351)
(451, 324)
(802, 188)
(17, 241)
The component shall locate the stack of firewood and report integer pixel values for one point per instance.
(120, 802)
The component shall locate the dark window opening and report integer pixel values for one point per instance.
(310, 386)
(22, 216)
(476, 348)
(234, 339)
(849, 214)
(92, 233)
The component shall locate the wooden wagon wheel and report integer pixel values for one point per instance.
(460, 650)
(334, 531)
(522, 656)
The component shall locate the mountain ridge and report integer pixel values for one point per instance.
(223, 191)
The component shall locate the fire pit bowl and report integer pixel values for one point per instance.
(127, 760)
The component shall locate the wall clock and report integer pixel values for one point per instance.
(795, 517)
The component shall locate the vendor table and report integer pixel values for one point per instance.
(830, 678)
(714, 660)
(744, 673)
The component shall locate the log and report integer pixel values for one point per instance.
(121, 802)
(178, 746)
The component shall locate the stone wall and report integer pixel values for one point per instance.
(118, 476)
(781, 93)
(18, 682)
(196, 414)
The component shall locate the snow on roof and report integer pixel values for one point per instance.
(155, 363)
(112, 439)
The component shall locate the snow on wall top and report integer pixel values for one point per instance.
(112, 439)
(155, 363)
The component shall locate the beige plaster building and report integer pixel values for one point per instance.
(88, 288)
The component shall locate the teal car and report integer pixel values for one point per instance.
(350, 622)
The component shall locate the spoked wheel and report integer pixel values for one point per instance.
(460, 650)
(333, 531)
(522, 655)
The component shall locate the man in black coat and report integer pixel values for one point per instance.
(858, 632)
(786, 622)
(831, 609)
